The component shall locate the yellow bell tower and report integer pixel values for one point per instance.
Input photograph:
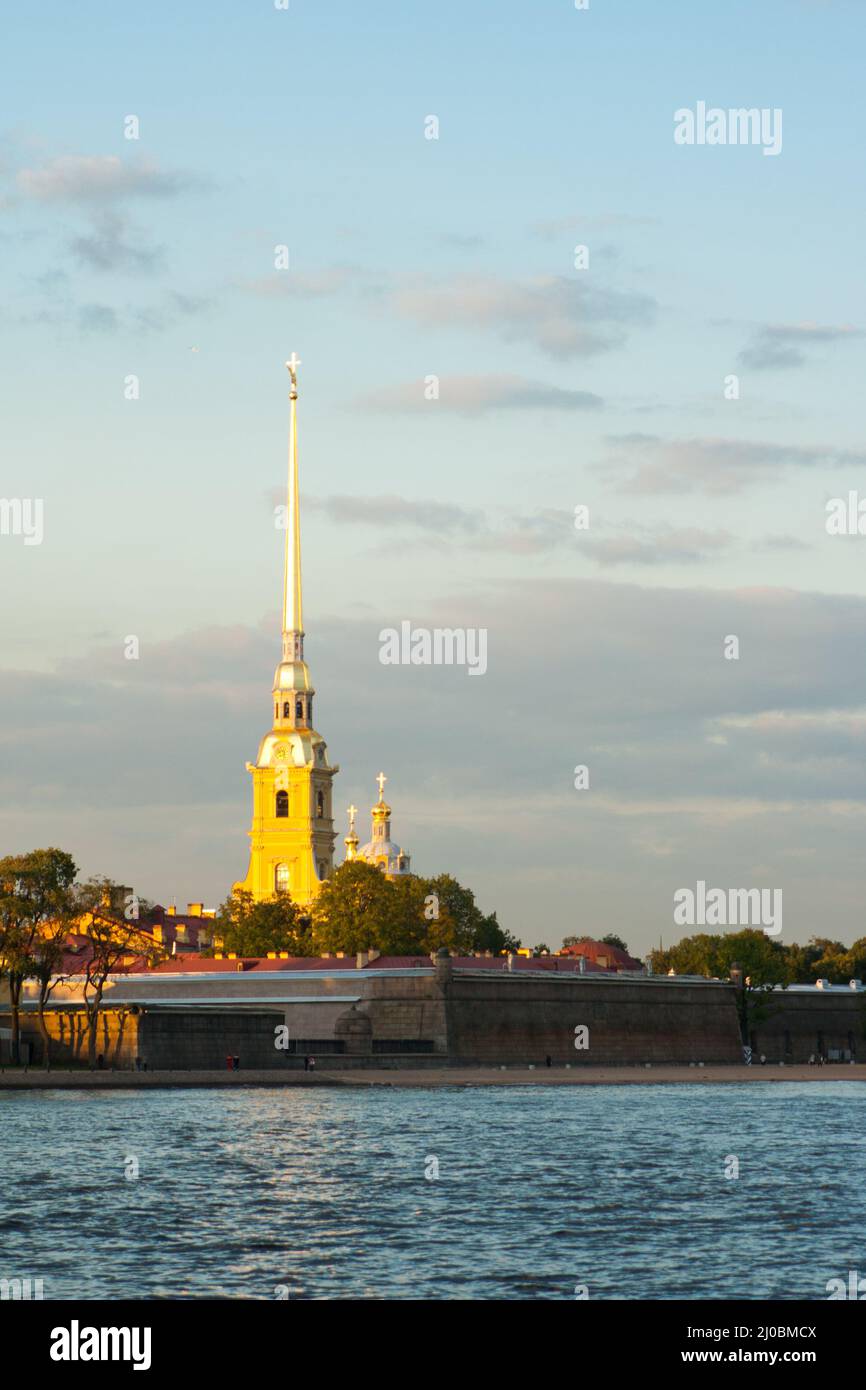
(292, 834)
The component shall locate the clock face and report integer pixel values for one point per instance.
(280, 753)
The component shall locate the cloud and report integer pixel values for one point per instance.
(781, 542)
(561, 317)
(97, 318)
(441, 518)
(107, 247)
(99, 179)
(467, 242)
(172, 308)
(540, 533)
(714, 465)
(315, 284)
(577, 222)
(780, 345)
(472, 395)
(662, 546)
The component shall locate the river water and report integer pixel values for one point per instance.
(334, 1193)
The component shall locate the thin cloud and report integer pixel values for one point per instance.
(664, 546)
(575, 222)
(781, 345)
(441, 518)
(714, 465)
(315, 284)
(97, 318)
(472, 395)
(108, 248)
(543, 532)
(562, 318)
(99, 179)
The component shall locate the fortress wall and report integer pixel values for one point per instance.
(520, 1019)
(472, 1017)
(407, 1008)
(116, 1038)
(799, 1026)
(199, 1039)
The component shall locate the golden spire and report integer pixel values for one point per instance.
(293, 622)
(351, 840)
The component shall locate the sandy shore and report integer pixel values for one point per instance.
(446, 1076)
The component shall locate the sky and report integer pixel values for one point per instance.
(692, 379)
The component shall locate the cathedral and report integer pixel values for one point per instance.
(292, 833)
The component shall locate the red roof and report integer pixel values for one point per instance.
(614, 958)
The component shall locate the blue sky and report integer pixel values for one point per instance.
(454, 257)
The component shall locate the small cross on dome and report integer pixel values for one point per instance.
(381, 779)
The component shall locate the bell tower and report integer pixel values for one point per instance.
(292, 833)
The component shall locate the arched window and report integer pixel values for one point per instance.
(281, 878)
(299, 709)
(320, 804)
(322, 868)
(287, 709)
(276, 711)
(282, 804)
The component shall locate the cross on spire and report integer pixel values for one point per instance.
(293, 364)
(353, 811)
(381, 779)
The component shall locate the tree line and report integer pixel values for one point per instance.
(359, 909)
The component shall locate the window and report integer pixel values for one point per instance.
(282, 804)
(320, 804)
(299, 709)
(322, 868)
(287, 709)
(281, 878)
(276, 711)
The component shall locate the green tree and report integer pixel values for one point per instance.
(111, 938)
(254, 928)
(855, 960)
(763, 962)
(357, 909)
(490, 936)
(472, 930)
(48, 957)
(36, 896)
(612, 940)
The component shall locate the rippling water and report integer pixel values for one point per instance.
(322, 1193)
